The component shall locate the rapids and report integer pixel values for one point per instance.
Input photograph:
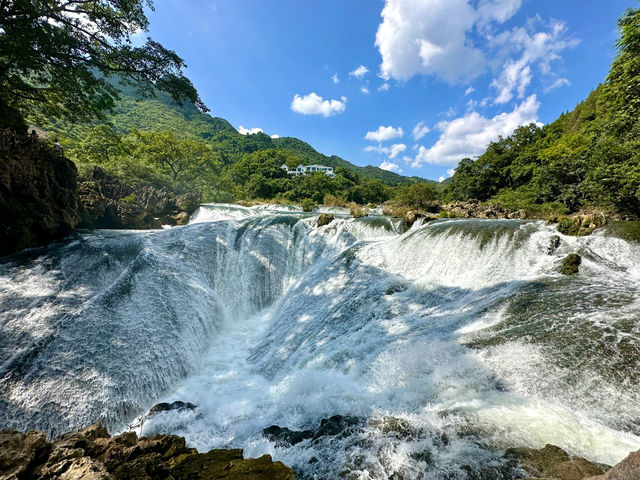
(460, 331)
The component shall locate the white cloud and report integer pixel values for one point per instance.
(432, 37)
(534, 49)
(469, 91)
(335, 78)
(392, 152)
(359, 72)
(560, 82)
(469, 136)
(390, 166)
(451, 171)
(384, 87)
(275, 135)
(441, 179)
(382, 134)
(420, 130)
(364, 89)
(314, 104)
(248, 131)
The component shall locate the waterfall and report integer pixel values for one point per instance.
(461, 331)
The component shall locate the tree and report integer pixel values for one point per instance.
(56, 58)
(101, 146)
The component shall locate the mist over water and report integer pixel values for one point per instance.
(450, 342)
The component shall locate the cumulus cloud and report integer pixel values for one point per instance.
(559, 82)
(534, 49)
(314, 104)
(364, 89)
(392, 152)
(469, 91)
(441, 179)
(249, 131)
(390, 166)
(382, 134)
(451, 171)
(384, 87)
(469, 136)
(275, 135)
(359, 72)
(432, 37)
(420, 130)
(335, 78)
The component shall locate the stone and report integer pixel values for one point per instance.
(285, 437)
(571, 264)
(627, 469)
(325, 219)
(19, 451)
(554, 243)
(336, 425)
(553, 462)
(177, 405)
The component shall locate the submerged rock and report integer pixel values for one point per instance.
(553, 462)
(325, 219)
(177, 405)
(571, 264)
(91, 454)
(554, 243)
(283, 436)
(336, 425)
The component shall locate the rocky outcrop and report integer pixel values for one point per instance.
(581, 224)
(37, 193)
(325, 219)
(91, 454)
(571, 264)
(106, 202)
(337, 425)
(552, 462)
(177, 405)
(476, 209)
(627, 469)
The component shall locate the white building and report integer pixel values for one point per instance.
(309, 169)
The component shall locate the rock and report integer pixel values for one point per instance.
(106, 202)
(325, 219)
(177, 405)
(554, 243)
(37, 193)
(91, 454)
(571, 264)
(336, 425)
(553, 462)
(627, 469)
(285, 437)
(581, 224)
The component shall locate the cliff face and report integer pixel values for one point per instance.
(38, 200)
(106, 202)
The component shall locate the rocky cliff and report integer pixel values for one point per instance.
(37, 193)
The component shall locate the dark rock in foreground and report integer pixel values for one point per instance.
(553, 462)
(106, 202)
(91, 454)
(37, 193)
(571, 264)
(627, 469)
(282, 436)
(554, 243)
(177, 405)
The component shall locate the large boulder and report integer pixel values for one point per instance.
(627, 469)
(571, 264)
(325, 219)
(552, 462)
(580, 225)
(37, 193)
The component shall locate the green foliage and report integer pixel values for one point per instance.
(56, 57)
(308, 205)
(130, 199)
(587, 157)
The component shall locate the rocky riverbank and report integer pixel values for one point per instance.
(92, 454)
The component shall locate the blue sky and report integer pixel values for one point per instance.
(409, 85)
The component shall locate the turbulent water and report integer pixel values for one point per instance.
(450, 342)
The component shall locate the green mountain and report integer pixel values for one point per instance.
(589, 157)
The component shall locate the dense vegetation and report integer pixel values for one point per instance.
(156, 141)
(589, 157)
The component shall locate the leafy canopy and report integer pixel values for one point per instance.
(56, 57)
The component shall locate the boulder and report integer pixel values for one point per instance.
(554, 243)
(37, 193)
(553, 462)
(581, 224)
(336, 425)
(571, 264)
(285, 437)
(177, 405)
(627, 469)
(325, 219)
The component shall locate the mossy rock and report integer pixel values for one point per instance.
(325, 219)
(571, 264)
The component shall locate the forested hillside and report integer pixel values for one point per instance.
(589, 157)
(155, 141)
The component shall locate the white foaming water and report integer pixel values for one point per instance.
(449, 342)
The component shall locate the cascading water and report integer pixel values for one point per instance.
(449, 342)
